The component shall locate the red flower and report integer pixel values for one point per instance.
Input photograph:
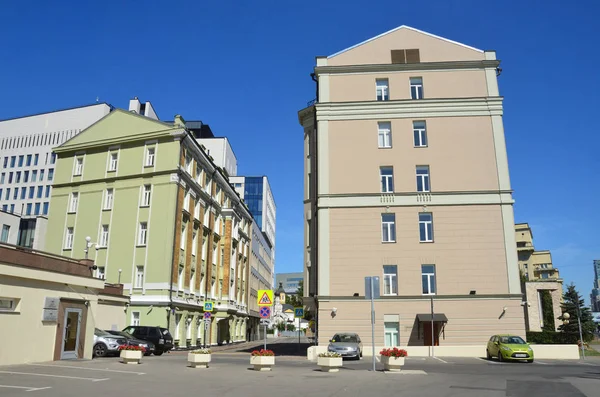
(129, 347)
(395, 352)
(263, 352)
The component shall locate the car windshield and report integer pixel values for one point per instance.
(99, 332)
(512, 340)
(344, 338)
(165, 332)
(119, 333)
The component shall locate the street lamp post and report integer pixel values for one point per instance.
(88, 245)
(565, 321)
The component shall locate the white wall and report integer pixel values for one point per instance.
(222, 153)
(13, 222)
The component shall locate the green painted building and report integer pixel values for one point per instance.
(163, 221)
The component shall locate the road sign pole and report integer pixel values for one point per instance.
(373, 323)
(265, 331)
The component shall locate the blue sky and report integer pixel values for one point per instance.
(243, 67)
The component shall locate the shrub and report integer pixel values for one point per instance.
(552, 338)
(330, 354)
(395, 352)
(263, 352)
(201, 351)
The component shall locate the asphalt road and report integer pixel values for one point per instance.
(230, 375)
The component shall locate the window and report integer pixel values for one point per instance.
(406, 56)
(139, 276)
(34, 176)
(7, 197)
(192, 280)
(104, 236)
(188, 163)
(48, 191)
(146, 195)
(40, 191)
(28, 209)
(383, 92)
(74, 201)
(180, 279)
(10, 177)
(13, 160)
(26, 177)
(420, 133)
(8, 304)
(388, 224)
(188, 330)
(390, 280)
(18, 177)
(384, 134)
(5, 232)
(428, 279)
(423, 178)
(21, 157)
(194, 242)
(108, 199)
(50, 174)
(45, 208)
(69, 238)
(392, 334)
(53, 158)
(135, 318)
(199, 175)
(78, 167)
(41, 175)
(112, 163)
(100, 273)
(416, 88)
(31, 192)
(5, 162)
(426, 227)
(387, 179)
(35, 159)
(28, 161)
(23, 193)
(5, 206)
(37, 208)
(142, 233)
(177, 325)
(197, 210)
(12, 208)
(182, 242)
(150, 157)
(2, 177)
(16, 195)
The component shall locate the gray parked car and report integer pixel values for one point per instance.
(105, 343)
(347, 345)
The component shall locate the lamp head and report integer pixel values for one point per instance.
(88, 239)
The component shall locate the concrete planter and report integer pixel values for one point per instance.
(330, 364)
(262, 363)
(392, 364)
(131, 356)
(198, 360)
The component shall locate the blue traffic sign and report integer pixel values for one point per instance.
(265, 312)
(208, 306)
(298, 312)
(206, 315)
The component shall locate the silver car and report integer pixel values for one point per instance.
(105, 343)
(347, 345)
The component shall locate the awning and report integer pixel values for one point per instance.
(437, 317)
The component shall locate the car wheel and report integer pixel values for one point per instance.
(361, 354)
(100, 350)
(500, 358)
(487, 354)
(158, 352)
(530, 361)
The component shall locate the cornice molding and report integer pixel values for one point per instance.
(405, 67)
(409, 108)
(422, 297)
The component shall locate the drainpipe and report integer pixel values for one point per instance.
(314, 194)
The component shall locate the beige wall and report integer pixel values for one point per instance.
(432, 49)
(460, 155)
(437, 84)
(111, 315)
(533, 309)
(27, 325)
(468, 251)
(471, 321)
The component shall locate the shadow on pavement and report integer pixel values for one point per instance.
(283, 349)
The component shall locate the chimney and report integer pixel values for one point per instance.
(179, 120)
(135, 105)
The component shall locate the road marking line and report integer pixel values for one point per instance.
(439, 359)
(89, 369)
(539, 362)
(27, 388)
(51, 376)
(487, 361)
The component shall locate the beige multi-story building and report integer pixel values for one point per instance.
(538, 276)
(406, 178)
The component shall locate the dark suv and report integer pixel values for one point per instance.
(161, 337)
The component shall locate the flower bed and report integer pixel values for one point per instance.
(262, 359)
(199, 358)
(329, 361)
(393, 359)
(131, 354)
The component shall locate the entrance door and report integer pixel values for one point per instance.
(427, 333)
(70, 343)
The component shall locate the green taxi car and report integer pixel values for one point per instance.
(509, 348)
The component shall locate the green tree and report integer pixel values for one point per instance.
(547, 311)
(296, 300)
(290, 327)
(572, 301)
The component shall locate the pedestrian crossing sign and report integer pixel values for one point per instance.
(298, 312)
(208, 306)
(265, 297)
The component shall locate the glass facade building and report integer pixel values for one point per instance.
(253, 196)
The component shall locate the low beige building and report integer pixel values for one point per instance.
(538, 275)
(407, 179)
(50, 305)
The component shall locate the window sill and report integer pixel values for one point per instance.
(426, 242)
(106, 209)
(111, 170)
(71, 212)
(76, 174)
(388, 242)
(145, 206)
(149, 166)
(140, 245)
(420, 147)
(67, 249)
(384, 147)
(101, 247)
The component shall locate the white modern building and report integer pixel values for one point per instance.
(27, 162)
